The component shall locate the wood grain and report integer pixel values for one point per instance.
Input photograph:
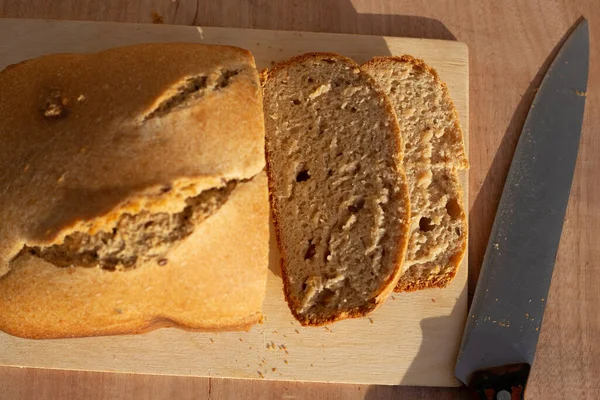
(509, 42)
(429, 322)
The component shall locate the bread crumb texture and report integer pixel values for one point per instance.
(134, 239)
(338, 191)
(434, 153)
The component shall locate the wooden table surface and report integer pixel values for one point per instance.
(511, 43)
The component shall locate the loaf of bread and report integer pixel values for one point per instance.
(434, 153)
(338, 192)
(133, 193)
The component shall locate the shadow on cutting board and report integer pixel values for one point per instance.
(394, 25)
(341, 17)
(329, 16)
(433, 331)
(332, 16)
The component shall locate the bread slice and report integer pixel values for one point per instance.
(337, 188)
(128, 177)
(434, 152)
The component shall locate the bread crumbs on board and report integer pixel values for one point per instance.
(272, 345)
(371, 320)
(285, 362)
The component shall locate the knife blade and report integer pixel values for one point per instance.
(504, 321)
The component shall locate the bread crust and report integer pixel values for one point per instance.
(410, 280)
(88, 138)
(390, 283)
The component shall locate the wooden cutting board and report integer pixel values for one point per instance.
(412, 339)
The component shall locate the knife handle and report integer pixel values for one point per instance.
(501, 383)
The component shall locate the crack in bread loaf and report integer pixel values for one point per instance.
(192, 89)
(338, 191)
(434, 152)
(135, 239)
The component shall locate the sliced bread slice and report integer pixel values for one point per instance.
(337, 187)
(434, 152)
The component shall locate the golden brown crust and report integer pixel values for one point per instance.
(147, 326)
(82, 144)
(390, 284)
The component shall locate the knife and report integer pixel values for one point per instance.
(503, 324)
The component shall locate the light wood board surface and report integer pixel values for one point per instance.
(510, 43)
(412, 340)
